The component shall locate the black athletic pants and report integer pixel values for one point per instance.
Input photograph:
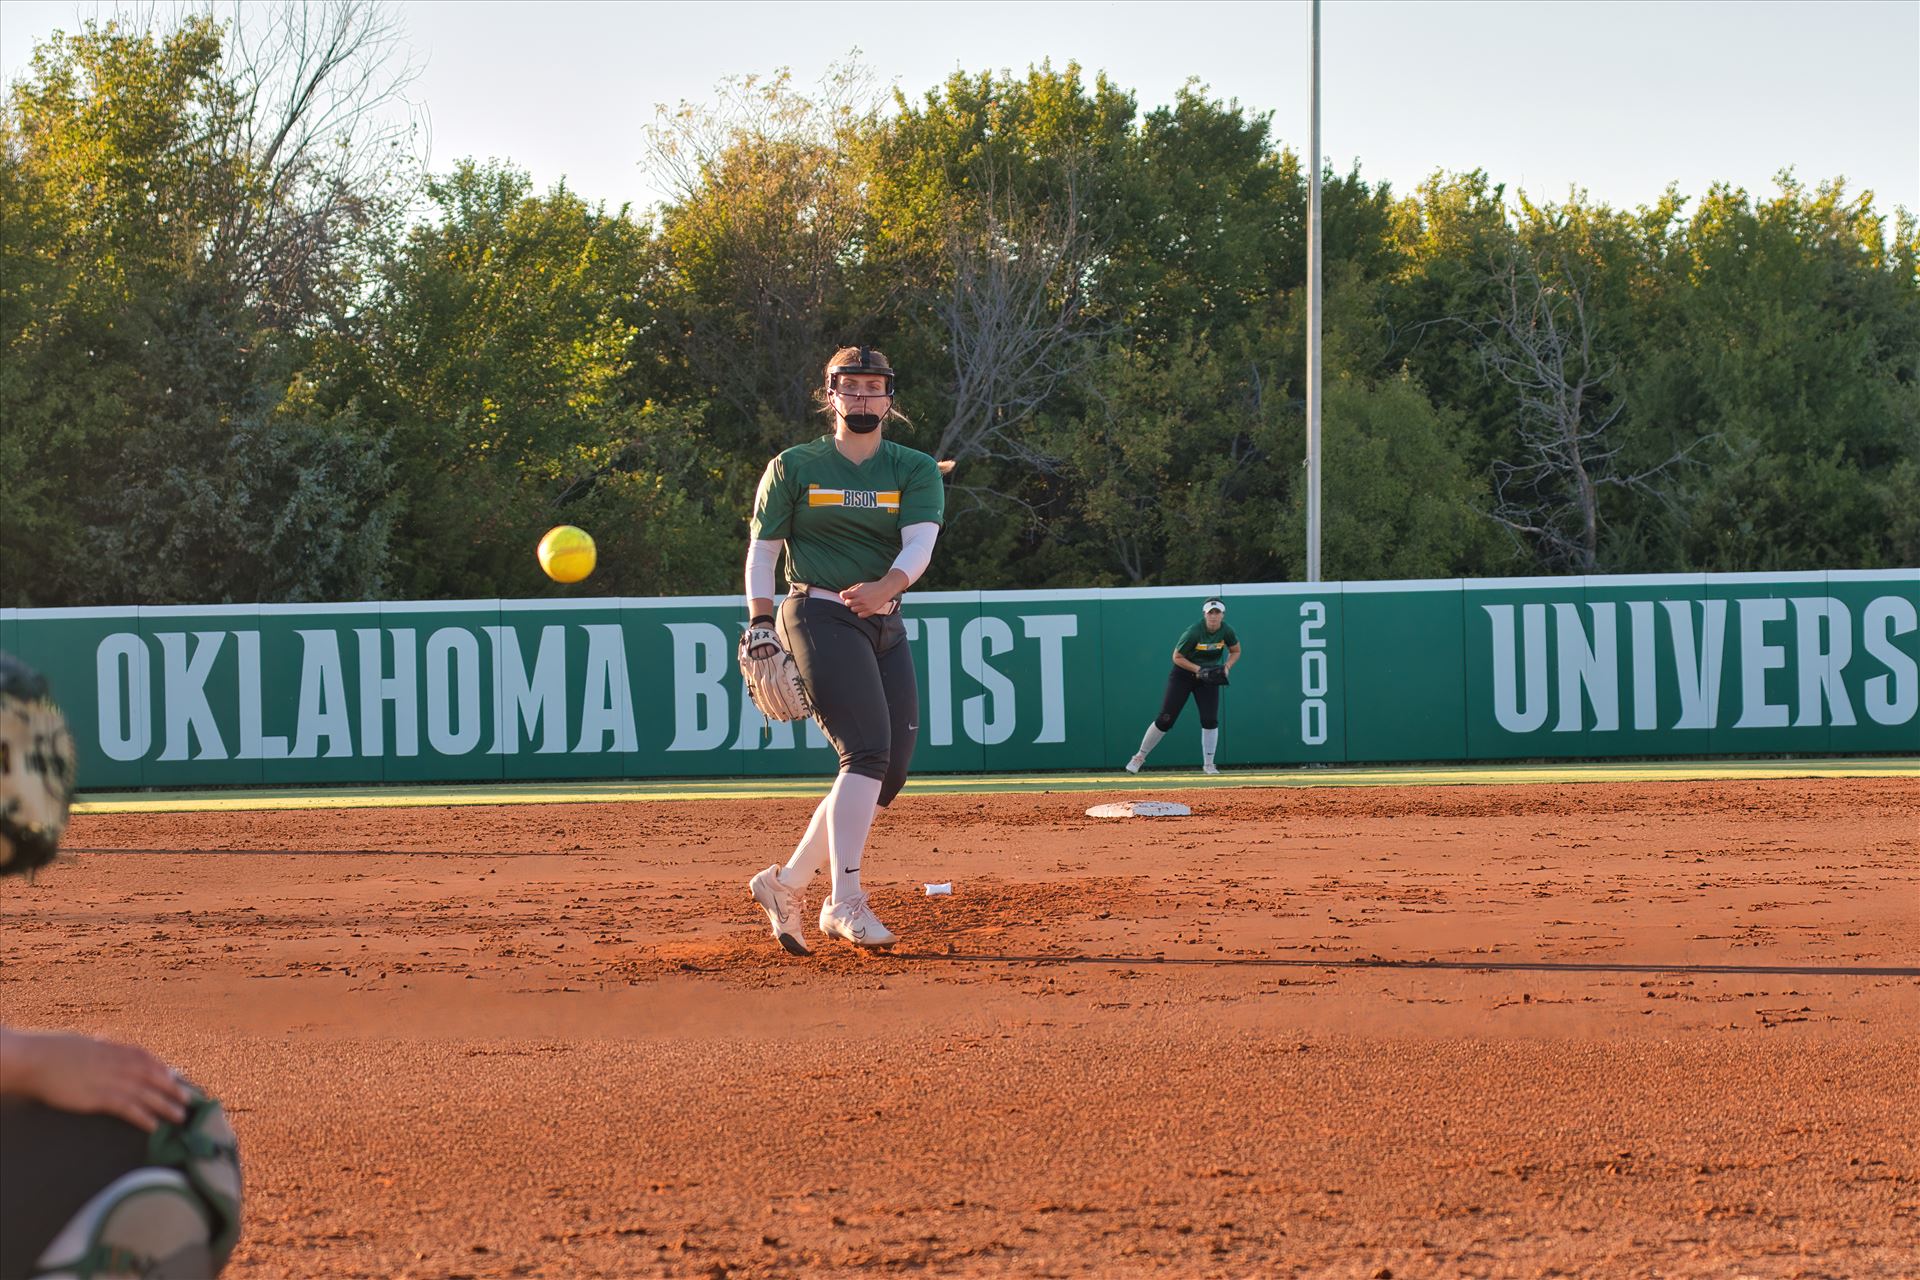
(51, 1163)
(859, 674)
(1180, 683)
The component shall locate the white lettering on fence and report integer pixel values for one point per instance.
(520, 700)
(1513, 717)
(323, 699)
(1590, 668)
(378, 688)
(1697, 667)
(1052, 631)
(1895, 697)
(123, 679)
(939, 715)
(1547, 667)
(453, 691)
(1315, 678)
(1820, 665)
(252, 743)
(183, 681)
(1757, 657)
(981, 638)
(1646, 681)
(607, 709)
(700, 656)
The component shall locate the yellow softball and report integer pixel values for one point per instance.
(566, 553)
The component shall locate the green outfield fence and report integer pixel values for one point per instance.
(1010, 681)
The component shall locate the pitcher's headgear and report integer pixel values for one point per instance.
(868, 361)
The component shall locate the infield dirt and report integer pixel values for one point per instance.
(1582, 1030)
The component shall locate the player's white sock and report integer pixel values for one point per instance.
(849, 807)
(1151, 740)
(1209, 743)
(811, 853)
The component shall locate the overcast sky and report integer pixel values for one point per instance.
(1620, 98)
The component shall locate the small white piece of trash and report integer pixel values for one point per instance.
(935, 890)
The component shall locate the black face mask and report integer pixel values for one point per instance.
(861, 423)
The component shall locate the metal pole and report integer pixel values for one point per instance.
(1313, 308)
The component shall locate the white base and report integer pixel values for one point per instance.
(1140, 809)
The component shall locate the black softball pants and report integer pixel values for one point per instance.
(51, 1164)
(1180, 683)
(859, 676)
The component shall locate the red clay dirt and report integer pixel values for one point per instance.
(557, 1040)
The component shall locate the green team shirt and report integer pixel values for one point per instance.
(842, 520)
(1205, 648)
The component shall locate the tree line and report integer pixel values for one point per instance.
(253, 352)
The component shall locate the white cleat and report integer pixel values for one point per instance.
(1137, 763)
(785, 908)
(852, 919)
(1212, 770)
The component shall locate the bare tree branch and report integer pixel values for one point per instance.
(1541, 340)
(328, 143)
(1011, 309)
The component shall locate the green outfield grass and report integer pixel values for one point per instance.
(370, 797)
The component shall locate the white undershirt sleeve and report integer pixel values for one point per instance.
(762, 555)
(916, 549)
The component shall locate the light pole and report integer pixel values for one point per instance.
(1313, 305)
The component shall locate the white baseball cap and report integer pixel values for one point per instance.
(1215, 605)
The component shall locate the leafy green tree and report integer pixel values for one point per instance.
(500, 359)
(1399, 501)
(160, 455)
(1451, 235)
(1792, 335)
(995, 201)
(229, 371)
(1215, 235)
(752, 276)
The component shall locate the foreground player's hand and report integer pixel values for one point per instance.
(95, 1077)
(868, 598)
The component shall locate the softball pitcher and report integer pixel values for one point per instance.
(1202, 656)
(857, 516)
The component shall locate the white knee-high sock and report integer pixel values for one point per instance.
(1209, 743)
(850, 807)
(1152, 739)
(811, 853)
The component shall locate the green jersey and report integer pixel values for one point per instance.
(1205, 648)
(841, 520)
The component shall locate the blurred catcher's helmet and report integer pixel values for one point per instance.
(36, 770)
